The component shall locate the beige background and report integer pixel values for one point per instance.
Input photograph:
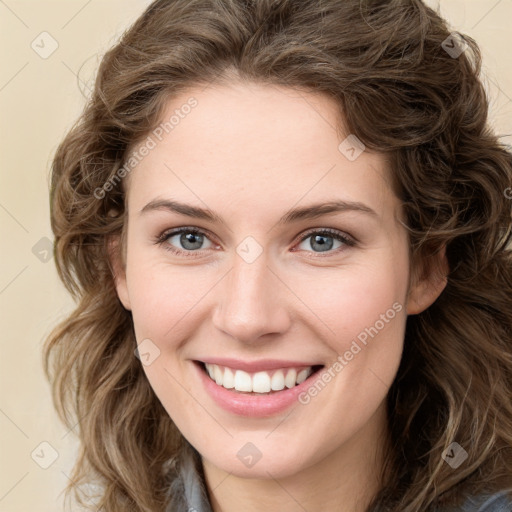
(39, 100)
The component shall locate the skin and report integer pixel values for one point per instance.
(250, 153)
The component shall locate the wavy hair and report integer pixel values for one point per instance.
(387, 66)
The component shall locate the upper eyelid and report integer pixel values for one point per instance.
(176, 231)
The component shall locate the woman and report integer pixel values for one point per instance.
(285, 224)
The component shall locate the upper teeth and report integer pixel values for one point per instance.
(259, 382)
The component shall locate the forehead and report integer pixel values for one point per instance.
(257, 147)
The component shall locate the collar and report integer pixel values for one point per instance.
(191, 489)
(191, 475)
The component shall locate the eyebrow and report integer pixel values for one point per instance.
(308, 212)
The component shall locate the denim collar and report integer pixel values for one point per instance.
(194, 496)
(191, 487)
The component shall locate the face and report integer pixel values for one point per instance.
(264, 284)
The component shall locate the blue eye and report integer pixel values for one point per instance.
(190, 241)
(323, 240)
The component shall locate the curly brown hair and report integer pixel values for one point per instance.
(404, 95)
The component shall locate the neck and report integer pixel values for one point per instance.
(346, 480)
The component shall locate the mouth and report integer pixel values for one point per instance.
(261, 383)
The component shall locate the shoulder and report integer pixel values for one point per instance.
(498, 502)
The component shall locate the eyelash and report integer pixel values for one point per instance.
(164, 237)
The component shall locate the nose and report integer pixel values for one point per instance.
(252, 302)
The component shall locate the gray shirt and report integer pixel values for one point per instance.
(188, 491)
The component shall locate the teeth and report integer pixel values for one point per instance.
(291, 378)
(302, 376)
(277, 382)
(218, 375)
(242, 381)
(259, 382)
(229, 379)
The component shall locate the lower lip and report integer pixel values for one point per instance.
(245, 404)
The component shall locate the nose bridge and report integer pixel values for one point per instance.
(248, 306)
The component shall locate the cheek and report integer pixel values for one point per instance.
(352, 301)
(364, 309)
(162, 297)
(163, 300)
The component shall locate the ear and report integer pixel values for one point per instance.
(118, 267)
(428, 283)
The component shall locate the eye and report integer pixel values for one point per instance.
(188, 240)
(322, 240)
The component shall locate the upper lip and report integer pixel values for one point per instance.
(256, 366)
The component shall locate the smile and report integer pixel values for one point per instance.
(261, 393)
(258, 382)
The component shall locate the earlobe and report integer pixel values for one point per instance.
(118, 271)
(427, 288)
